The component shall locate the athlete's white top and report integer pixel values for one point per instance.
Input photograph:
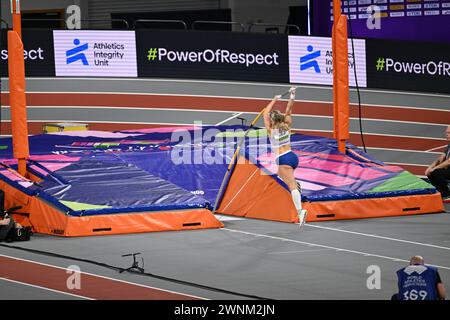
(279, 138)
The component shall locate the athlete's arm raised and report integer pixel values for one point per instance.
(287, 114)
(267, 111)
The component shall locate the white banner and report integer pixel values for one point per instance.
(95, 53)
(311, 61)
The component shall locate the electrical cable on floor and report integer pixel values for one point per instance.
(101, 264)
(357, 86)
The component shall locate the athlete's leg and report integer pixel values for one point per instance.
(286, 173)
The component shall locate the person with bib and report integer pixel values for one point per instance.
(278, 127)
(419, 281)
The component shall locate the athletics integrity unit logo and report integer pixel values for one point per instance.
(310, 60)
(76, 54)
(95, 53)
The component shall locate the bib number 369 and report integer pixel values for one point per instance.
(415, 295)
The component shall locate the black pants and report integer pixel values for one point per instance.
(5, 229)
(440, 179)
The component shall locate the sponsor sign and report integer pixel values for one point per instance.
(95, 53)
(408, 65)
(38, 53)
(212, 55)
(311, 61)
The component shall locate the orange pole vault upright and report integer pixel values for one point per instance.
(341, 108)
(18, 105)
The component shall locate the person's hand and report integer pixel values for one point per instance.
(277, 97)
(292, 93)
(429, 171)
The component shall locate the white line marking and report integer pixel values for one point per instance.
(126, 108)
(237, 193)
(436, 148)
(119, 122)
(217, 111)
(47, 289)
(378, 237)
(326, 247)
(371, 134)
(261, 84)
(406, 93)
(228, 119)
(370, 120)
(104, 277)
(249, 98)
(400, 150)
(168, 80)
(222, 217)
(301, 251)
(397, 121)
(228, 111)
(407, 164)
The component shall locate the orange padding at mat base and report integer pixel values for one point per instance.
(374, 208)
(44, 218)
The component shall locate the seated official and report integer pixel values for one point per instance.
(439, 171)
(419, 281)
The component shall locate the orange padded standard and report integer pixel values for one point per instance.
(17, 100)
(341, 105)
(253, 194)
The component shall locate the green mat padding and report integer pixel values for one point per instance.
(78, 206)
(404, 181)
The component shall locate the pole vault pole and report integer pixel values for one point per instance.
(16, 72)
(341, 108)
(219, 194)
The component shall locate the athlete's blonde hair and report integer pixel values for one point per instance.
(277, 120)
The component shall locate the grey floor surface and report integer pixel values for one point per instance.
(321, 261)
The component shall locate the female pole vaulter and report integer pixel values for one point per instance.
(278, 126)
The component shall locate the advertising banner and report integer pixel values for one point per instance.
(95, 53)
(404, 65)
(311, 61)
(212, 55)
(38, 53)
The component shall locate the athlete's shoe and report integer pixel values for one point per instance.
(302, 216)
